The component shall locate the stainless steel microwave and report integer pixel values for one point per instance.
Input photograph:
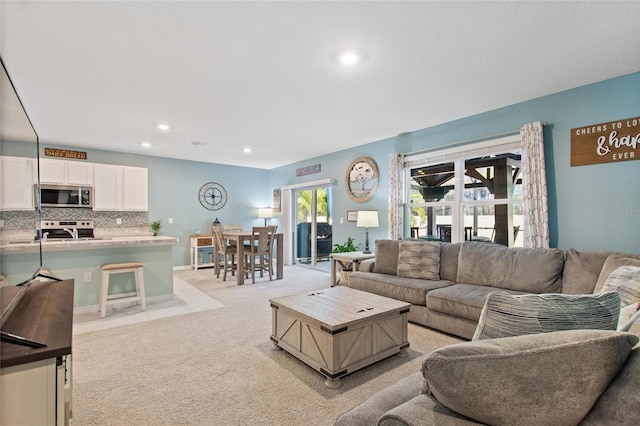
(65, 196)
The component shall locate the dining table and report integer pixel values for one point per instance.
(242, 237)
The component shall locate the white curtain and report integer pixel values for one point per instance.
(396, 162)
(535, 210)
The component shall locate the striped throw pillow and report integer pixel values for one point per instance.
(626, 281)
(419, 260)
(506, 315)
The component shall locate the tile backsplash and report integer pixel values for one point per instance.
(26, 220)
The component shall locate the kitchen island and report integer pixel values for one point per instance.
(82, 259)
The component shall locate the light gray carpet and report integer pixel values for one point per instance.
(218, 367)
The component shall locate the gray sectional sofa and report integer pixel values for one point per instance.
(448, 283)
(569, 377)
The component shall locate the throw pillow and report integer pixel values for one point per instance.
(625, 280)
(419, 260)
(505, 315)
(386, 257)
(612, 263)
(539, 379)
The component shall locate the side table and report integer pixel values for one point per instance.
(347, 261)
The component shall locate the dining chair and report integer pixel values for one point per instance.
(225, 253)
(260, 248)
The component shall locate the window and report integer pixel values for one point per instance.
(471, 193)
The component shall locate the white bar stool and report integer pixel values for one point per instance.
(117, 268)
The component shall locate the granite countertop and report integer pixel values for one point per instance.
(16, 246)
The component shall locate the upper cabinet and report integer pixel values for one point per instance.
(120, 188)
(17, 183)
(66, 172)
(135, 189)
(107, 188)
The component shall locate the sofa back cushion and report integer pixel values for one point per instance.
(449, 261)
(386, 257)
(583, 268)
(417, 259)
(531, 270)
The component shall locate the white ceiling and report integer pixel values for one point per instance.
(262, 74)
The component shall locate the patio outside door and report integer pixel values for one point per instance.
(313, 223)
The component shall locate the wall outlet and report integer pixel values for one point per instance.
(170, 220)
(1, 223)
(88, 277)
(119, 221)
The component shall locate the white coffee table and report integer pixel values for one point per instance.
(339, 330)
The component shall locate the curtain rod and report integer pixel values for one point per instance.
(467, 141)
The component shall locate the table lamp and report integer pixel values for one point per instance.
(266, 214)
(367, 219)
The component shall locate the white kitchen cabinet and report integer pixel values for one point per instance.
(135, 189)
(17, 178)
(63, 172)
(107, 187)
(120, 188)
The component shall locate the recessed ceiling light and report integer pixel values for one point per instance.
(349, 58)
(164, 127)
(146, 144)
(247, 150)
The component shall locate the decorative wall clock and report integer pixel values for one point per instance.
(361, 180)
(212, 196)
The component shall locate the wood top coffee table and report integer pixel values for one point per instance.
(339, 330)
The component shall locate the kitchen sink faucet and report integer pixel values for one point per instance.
(73, 232)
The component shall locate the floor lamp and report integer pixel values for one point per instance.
(367, 219)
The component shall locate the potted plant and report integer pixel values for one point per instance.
(346, 247)
(155, 227)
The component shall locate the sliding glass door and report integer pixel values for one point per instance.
(313, 224)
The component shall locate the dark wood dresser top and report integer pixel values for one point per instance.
(45, 314)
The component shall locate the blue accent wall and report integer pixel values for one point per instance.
(595, 207)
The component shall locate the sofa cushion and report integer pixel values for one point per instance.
(612, 263)
(626, 315)
(386, 256)
(409, 290)
(581, 270)
(531, 270)
(417, 259)
(538, 379)
(507, 315)
(620, 403)
(460, 300)
(422, 410)
(373, 408)
(449, 261)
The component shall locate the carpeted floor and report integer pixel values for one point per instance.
(218, 367)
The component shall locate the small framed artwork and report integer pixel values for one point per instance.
(352, 215)
(277, 207)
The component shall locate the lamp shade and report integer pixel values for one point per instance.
(367, 219)
(265, 213)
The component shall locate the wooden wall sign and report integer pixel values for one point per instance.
(308, 170)
(65, 153)
(606, 142)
